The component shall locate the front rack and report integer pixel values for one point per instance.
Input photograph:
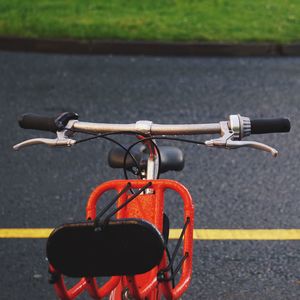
(148, 207)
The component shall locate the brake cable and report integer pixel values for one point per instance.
(105, 136)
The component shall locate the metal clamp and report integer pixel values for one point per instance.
(143, 126)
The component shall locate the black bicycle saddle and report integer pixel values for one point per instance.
(172, 158)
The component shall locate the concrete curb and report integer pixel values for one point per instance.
(68, 46)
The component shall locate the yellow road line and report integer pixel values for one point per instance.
(23, 233)
(241, 234)
(199, 234)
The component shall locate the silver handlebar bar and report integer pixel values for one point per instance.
(231, 132)
(147, 127)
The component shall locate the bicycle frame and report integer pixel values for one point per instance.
(149, 207)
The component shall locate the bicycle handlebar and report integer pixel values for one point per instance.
(54, 124)
(231, 131)
(147, 127)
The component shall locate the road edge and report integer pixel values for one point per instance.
(148, 48)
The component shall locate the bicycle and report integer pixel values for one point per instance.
(129, 243)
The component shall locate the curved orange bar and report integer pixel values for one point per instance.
(63, 292)
(100, 292)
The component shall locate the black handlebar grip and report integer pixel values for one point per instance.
(33, 121)
(260, 126)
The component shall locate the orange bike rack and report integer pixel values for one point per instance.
(150, 207)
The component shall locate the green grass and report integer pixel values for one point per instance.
(178, 20)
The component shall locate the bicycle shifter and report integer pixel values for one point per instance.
(233, 131)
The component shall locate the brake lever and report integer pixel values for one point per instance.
(63, 139)
(256, 145)
(49, 142)
(227, 141)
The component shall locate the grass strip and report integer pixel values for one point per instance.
(163, 20)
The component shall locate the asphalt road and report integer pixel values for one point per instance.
(244, 188)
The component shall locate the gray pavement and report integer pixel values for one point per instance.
(42, 187)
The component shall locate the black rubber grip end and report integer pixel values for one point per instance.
(53, 124)
(261, 126)
(33, 121)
